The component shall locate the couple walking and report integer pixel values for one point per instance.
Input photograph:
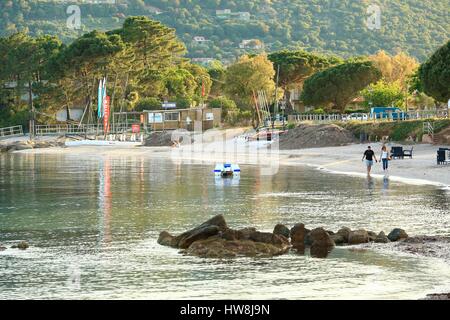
(369, 155)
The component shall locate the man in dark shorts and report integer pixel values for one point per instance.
(369, 155)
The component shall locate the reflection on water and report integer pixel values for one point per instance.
(92, 223)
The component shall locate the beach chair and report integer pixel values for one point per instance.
(408, 153)
(397, 153)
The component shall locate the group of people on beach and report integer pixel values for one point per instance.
(369, 156)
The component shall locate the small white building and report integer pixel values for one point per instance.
(202, 61)
(254, 44)
(243, 16)
(223, 14)
(199, 39)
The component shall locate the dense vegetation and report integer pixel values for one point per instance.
(396, 130)
(146, 63)
(143, 58)
(335, 87)
(435, 74)
(418, 27)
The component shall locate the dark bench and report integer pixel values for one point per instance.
(400, 153)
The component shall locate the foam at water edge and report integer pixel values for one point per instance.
(417, 182)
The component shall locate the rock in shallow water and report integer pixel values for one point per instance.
(298, 235)
(397, 234)
(345, 233)
(282, 230)
(382, 238)
(22, 245)
(358, 237)
(322, 244)
(216, 247)
(214, 239)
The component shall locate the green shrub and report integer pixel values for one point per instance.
(226, 104)
(184, 103)
(149, 103)
(318, 111)
(291, 125)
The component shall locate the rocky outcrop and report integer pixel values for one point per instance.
(28, 145)
(2, 248)
(397, 235)
(217, 247)
(427, 246)
(214, 239)
(438, 296)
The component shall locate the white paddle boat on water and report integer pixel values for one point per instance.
(227, 170)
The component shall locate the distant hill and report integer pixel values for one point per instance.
(219, 28)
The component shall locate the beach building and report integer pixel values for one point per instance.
(172, 119)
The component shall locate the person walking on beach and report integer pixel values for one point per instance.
(385, 158)
(369, 155)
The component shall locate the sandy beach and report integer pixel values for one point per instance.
(422, 169)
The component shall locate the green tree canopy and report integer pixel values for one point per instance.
(247, 76)
(435, 74)
(337, 86)
(297, 65)
(383, 94)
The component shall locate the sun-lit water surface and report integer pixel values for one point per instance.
(93, 222)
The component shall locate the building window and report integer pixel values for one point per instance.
(172, 116)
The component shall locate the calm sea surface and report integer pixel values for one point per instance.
(92, 224)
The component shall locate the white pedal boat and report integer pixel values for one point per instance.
(227, 170)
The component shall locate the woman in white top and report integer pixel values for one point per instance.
(385, 158)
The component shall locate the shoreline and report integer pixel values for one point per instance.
(341, 160)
